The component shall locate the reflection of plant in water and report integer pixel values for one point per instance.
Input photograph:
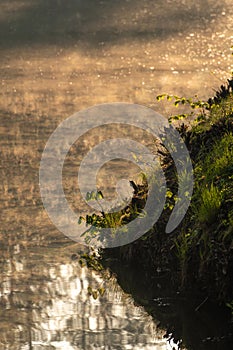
(230, 306)
(92, 261)
(183, 244)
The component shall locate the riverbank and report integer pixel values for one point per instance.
(199, 254)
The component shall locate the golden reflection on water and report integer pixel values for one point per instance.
(45, 304)
(58, 57)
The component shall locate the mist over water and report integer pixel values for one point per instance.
(58, 57)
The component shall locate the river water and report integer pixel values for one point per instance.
(58, 57)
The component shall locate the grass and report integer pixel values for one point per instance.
(213, 177)
(210, 203)
(209, 222)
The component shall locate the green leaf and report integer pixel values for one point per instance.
(101, 291)
(93, 195)
(82, 262)
(80, 220)
(100, 195)
(161, 97)
(169, 194)
(95, 294)
(170, 206)
(88, 196)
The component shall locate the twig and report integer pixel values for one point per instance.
(202, 303)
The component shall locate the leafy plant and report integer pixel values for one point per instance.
(200, 109)
(201, 106)
(116, 220)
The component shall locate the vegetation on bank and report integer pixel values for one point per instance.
(204, 242)
(200, 251)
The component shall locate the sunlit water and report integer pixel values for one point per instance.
(45, 305)
(58, 57)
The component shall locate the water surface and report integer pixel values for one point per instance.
(58, 57)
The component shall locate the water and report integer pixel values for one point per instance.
(45, 305)
(57, 58)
